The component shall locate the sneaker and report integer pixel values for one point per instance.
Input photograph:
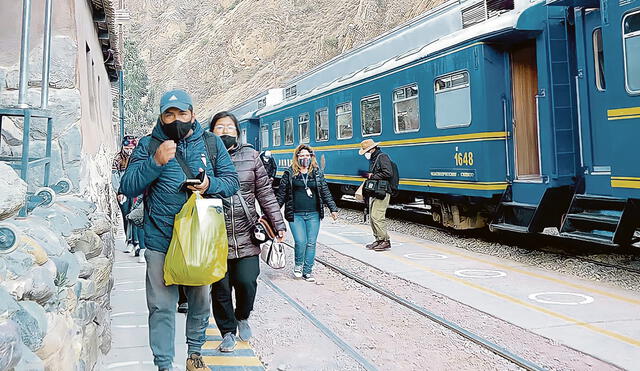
(195, 362)
(383, 246)
(141, 257)
(297, 272)
(164, 369)
(183, 308)
(244, 330)
(228, 343)
(308, 277)
(128, 248)
(372, 245)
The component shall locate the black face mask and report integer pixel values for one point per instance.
(177, 130)
(229, 141)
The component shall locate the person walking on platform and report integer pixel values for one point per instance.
(120, 163)
(269, 164)
(243, 265)
(154, 169)
(304, 192)
(380, 169)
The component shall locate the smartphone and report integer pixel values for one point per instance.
(192, 181)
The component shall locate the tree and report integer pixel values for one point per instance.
(139, 96)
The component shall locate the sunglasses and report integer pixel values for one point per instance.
(129, 142)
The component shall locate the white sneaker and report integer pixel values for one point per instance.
(141, 257)
(297, 272)
(129, 248)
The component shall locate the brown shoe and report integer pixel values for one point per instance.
(383, 246)
(372, 245)
(195, 363)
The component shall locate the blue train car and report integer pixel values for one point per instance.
(517, 119)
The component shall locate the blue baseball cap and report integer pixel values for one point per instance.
(177, 98)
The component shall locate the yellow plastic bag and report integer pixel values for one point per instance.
(198, 251)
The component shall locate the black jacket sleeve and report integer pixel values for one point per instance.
(283, 188)
(383, 169)
(325, 193)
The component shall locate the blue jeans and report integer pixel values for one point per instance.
(137, 234)
(162, 302)
(305, 228)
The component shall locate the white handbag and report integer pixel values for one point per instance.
(272, 253)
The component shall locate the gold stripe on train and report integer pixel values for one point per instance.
(472, 137)
(631, 111)
(625, 182)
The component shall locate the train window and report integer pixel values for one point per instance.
(370, 115)
(303, 123)
(631, 37)
(275, 132)
(344, 120)
(405, 105)
(453, 100)
(598, 59)
(265, 136)
(288, 131)
(322, 125)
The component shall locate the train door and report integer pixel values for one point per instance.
(524, 85)
(601, 144)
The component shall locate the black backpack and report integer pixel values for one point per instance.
(209, 142)
(394, 182)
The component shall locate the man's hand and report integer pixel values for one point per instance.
(334, 215)
(165, 152)
(281, 235)
(202, 187)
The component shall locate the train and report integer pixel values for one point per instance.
(513, 115)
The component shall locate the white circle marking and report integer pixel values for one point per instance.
(585, 299)
(425, 256)
(479, 273)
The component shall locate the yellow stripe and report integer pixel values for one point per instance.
(506, 297)
(625, 178)
(485, 186)
(213, 332)
(210, 345)
(624, 111)
(231, 361)
(472, 137)
(625, 183)
(624, 117)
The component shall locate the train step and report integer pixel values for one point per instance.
(595, 218)
(597, 202)
(520, 205)
(603, 239)
(509, 227)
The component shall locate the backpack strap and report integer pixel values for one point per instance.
(211, 144)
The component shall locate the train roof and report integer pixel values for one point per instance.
(504, 21)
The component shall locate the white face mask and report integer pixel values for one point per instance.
(367, 155)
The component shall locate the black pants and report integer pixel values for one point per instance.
(125, 208)
(241, 277)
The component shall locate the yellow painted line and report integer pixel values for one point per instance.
(625, 183)
(623, 117)
(458, 184)
(210, 345)
(213, 332)
(507, 297)
(231, 361)
(471, 137)
(625, 178)
(624, 111)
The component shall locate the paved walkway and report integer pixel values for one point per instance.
(130, 349)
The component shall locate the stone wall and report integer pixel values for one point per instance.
(55, 284)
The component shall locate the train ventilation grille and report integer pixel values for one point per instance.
(479, 12)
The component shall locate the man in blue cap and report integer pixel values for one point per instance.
(155, 170)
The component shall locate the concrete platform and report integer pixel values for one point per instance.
(588, 316)
(130, 348)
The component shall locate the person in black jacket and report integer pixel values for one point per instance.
(380, 168)
(269, 164)
(304, 192)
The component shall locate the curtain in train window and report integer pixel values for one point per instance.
(631, 35)
(598, 55)
(453, 100)
(243, 136)
(322, 125)
(370, 114)
(303, 123)
(405, 105)
(265, 136)
(275, 132)
(344, 120)
(288, 131)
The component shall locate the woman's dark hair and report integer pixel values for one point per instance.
(221, 115)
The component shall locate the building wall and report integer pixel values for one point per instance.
(80, 95)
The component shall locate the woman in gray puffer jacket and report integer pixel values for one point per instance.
(243, 266)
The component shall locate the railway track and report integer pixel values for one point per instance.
(423, 312)
(547, 243)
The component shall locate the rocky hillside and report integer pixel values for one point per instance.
(224, 51)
